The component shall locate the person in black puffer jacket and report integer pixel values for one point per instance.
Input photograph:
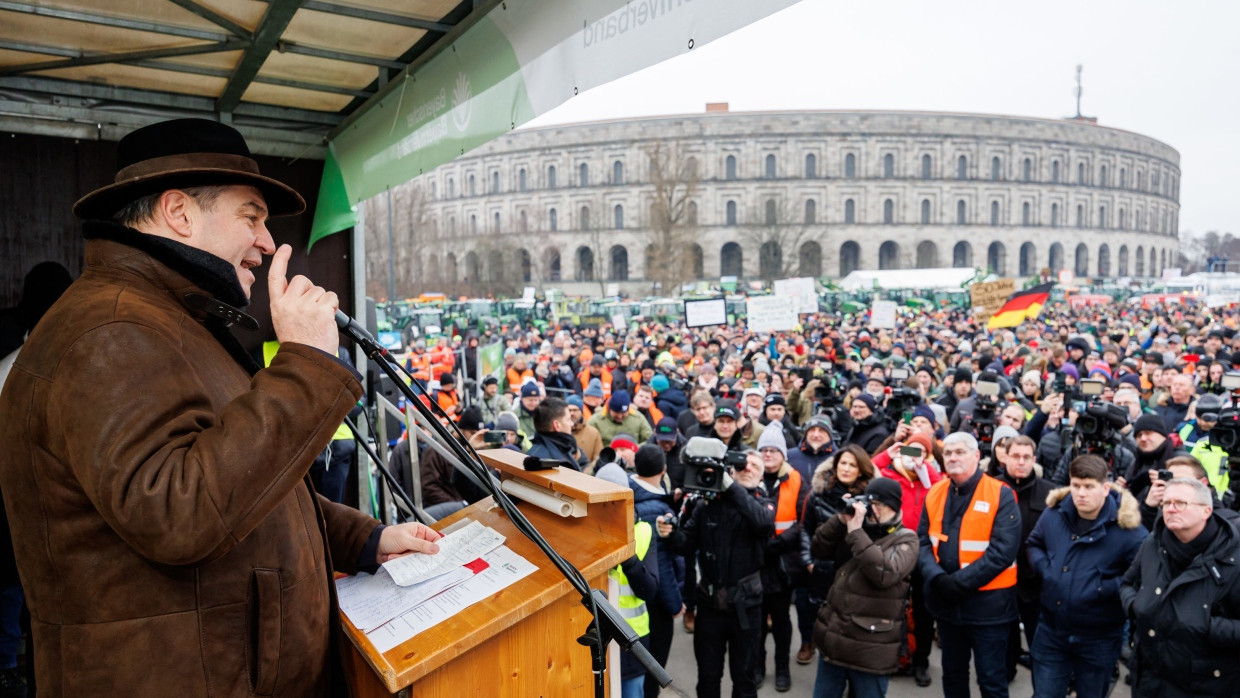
(816, 446)
(869, 424)
(652, 501)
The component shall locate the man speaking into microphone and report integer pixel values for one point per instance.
(167, 535)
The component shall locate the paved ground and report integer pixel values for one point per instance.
(684, 674)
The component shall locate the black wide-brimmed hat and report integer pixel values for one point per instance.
(184, 153)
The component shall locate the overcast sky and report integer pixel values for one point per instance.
(1169, 70)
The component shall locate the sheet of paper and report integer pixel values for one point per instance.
(372, 600)
(504, 569)
(455, 549)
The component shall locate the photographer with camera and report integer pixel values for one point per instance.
(1182, 467)
(1154, 449)
(869, 426)
(728, 532)
(1195, 433)
(879, 555)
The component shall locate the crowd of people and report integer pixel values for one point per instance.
(1054, 496)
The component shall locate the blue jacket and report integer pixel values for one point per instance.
(1081, 575)
(806, 459)
(990, 607)
(672, 402)
(647, 506)
(555, 446)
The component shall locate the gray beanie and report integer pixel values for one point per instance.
(773, 437)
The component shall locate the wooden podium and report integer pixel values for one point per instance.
(522, 641)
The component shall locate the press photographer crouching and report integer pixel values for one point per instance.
(727, 526)
(860, 629)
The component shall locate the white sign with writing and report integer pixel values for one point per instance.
(771, 313)
(528, 294)
(883, 315)
(620, 322)
(802, 289)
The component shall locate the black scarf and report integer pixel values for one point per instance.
(203, 269)
(1181, 555)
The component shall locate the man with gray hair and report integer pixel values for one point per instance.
(1182, 595)
(970, 534)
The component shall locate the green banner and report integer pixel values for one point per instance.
(491, 359)
(521, 60)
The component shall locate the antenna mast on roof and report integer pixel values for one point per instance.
(1079, 90)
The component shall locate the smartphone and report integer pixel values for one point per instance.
(495, 437)
(907, 416)
(911, 451)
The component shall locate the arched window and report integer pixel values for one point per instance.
(450, 268)
(771, 218)
(925, 210)
(1122, 220)
(850, 166)
(994, 213)
(1055, 171)
(1055, 261)
(1123, 184)
(523, 224)
(1026, 214)
(617, 172)
(692, 215)
(554, 220)
(1102, 216)
(619, 263)
(1138, 262)
(451, 188)
(619, 217)
(962, 167)
(926, 165)
(553, 264)
(731, 213)
(473, 267)
(495, 182)
(551, 177)
(927, 255)
(526, 264)
(995, 167)
(770, 166)
(1054, 215)
(729, 167)
(811, 212)
(996, 258)
(521, 183)
(1080, 215)
(495, 222)
(1082, 260)
(1027, 170)
(811, 166)
(731, 260)
(889, 211)
(850, 211)
(1102, 176)
(696, 263)
(473, 224)
(583, 218)
(961, 213)
(889, 166)
(1104, 260)
(473, 186)
(583, 175)
(1080, 176)
(1123, 261)
(770, 260)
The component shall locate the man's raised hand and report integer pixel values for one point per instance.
(300, 311)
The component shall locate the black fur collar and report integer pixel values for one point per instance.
(210, 273)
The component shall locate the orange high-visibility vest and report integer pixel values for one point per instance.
(604, 378)
(979, 518)
(786, 512)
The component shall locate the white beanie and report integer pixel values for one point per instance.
(773, 437)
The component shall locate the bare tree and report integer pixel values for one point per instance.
(779, 231)
(398, 228)
(675, 181)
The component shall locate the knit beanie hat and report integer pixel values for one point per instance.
(649, 460)
(773, 437)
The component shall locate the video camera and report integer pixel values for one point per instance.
(706, 460)
(901, 400)
(985, 414)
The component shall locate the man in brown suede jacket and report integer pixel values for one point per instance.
(166, 532)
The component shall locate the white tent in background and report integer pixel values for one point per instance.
(927, 279)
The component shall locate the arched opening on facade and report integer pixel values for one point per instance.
(526, 264)
(1104, 260)
(495, 266)
(962, 255)
(770, 260)
(1028, 259)
(927, 255)
(619, 263)
(1081, 268)
(1055, 259)
(1123, 261)
(889, 255)
(552, 261)
(810, 259)
(585, 264)
(731, 260)
(449, 264)
(696, 260)
(1138, 262)
(850, 258)
(473, 270)
(996, 258)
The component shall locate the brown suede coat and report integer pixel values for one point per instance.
(167, 538)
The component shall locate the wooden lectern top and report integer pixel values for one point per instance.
(595, 543)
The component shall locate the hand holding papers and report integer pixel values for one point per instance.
(462, 546)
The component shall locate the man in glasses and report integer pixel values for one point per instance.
(1079, 548)
(1178, 467)
(1182, 595)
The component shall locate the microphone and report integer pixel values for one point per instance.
(533, 463)
(358, 334)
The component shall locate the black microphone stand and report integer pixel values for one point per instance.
(606, 624)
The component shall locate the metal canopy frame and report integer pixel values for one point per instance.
(87, 69)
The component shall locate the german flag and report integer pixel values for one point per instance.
(1021, 306)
